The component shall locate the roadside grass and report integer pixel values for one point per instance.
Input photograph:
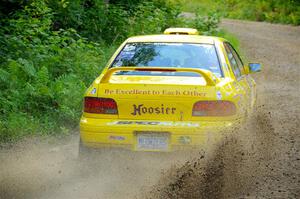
(205, 6)
(274, 11)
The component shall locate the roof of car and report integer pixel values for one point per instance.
(175, 38)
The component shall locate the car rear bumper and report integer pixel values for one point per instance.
(124, 133)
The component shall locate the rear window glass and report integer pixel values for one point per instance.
(184, 55)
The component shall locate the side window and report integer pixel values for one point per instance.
(237, 58)
(233, 60)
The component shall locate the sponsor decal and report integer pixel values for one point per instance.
(180, 124)
(191, 93)
(114, 137)
(93, 92)
(141, 109)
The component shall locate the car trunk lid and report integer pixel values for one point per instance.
(156, 97)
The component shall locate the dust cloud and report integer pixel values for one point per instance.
(50, 168)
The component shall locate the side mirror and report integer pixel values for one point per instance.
(254, 67)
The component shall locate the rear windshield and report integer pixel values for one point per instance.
(181, 55)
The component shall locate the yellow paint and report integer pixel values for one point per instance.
(188, 31)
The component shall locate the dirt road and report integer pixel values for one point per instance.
(260, 161)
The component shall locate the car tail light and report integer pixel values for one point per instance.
(214, 108)
(100, 105)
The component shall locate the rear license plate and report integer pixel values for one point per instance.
(152, 141)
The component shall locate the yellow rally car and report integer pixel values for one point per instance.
(167, 92)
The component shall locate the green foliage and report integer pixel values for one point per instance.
(116, 21)
(207, 24)
(275, 11)
(43, 73)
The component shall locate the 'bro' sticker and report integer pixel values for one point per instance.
(219, 95)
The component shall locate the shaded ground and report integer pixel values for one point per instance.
(262, 160)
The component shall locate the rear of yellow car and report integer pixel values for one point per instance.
(166, 116)
(155, 95)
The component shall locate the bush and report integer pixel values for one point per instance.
(208, 25)
(43, 73)
(116, 21)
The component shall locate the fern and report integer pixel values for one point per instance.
(27, 67)
(4, 76)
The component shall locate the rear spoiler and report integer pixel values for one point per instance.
(206, 74)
